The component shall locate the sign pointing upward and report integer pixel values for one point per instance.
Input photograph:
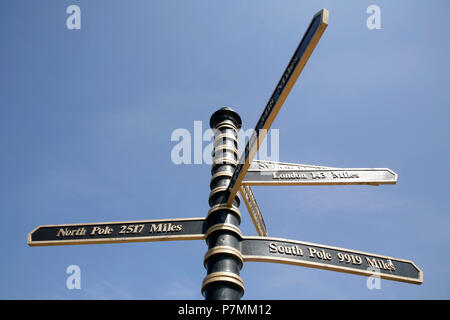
(284, 86)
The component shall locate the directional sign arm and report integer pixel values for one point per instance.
(257, 165)
(253, 210)
(117, 232)
(284, 86)
(263, 172)
(336, 176)
(329, 258)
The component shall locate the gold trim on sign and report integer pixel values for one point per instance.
(223, 276)
(116, 240)
(302, 183)
(323, 266)
(223, 249)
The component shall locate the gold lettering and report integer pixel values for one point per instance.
(62, 232)
(382, 264)
(272, 247)
(322, 254)
(74, 232)
(156, 228)
(100, 230)
(287, 250)
(164, 227)
(372, 263)
(390, 265)
(94, 230)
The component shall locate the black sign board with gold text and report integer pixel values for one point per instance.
(329, 258)
(295, 66)
(116, 232)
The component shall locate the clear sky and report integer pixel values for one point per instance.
(86, 118)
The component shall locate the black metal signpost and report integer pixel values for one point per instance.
(228, 249)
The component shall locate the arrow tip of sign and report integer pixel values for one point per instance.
(29, 238)
(324, 14)
(395, 175)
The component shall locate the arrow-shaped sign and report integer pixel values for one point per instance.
(259, 165)
(335, 176)
(284, 86)
(116, 232)
(329, 258)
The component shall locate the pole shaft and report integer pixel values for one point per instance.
(223, 260)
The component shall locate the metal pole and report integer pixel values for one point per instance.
(223, 260)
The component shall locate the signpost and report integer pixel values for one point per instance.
(228, 249)
(284, 86)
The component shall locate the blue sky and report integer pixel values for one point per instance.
(86, 118)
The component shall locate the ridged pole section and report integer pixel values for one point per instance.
(223, 260)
